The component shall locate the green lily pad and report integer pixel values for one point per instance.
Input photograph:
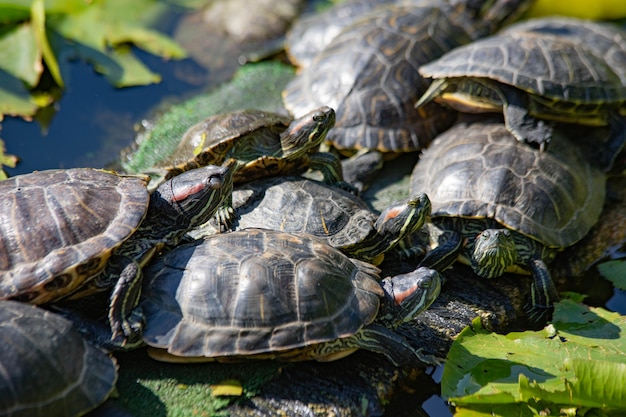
(575, 363)
(614, 271)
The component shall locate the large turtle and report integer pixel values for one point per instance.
(514, 205)
(552, 69)
(46, 367)
(263, 143)
(82, 229)
(258, 293)
(301, 205)
(368, 73)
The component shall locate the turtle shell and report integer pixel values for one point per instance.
(255, 292)
(377, 58)
(59, 228)
(47, 366)
(547, 58)
(369, 74)
(300, 205)
(210, 141)
(481, 171)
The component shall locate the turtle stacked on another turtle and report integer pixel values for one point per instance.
(301, 205)
(514, 206)
(263, 143)
(368, 72)
(538, 71)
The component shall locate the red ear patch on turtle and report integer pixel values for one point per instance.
(182, 193)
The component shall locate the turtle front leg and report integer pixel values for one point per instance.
(125, 318)
(543, 293)
(443, 256)
(518, 120)
(329, 165)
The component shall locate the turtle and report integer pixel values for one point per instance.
(264, 144)
(47, 367)
(377, 58)
(72, 232)
(343, 220)
(515, 206)
(266, 294)
(309, 35)
(536, 72)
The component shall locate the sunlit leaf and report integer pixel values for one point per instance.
(229, 387)
(19, 55)
(576, 362)
(614, 271)
(15, 99)
(38, 20)
(6, 160)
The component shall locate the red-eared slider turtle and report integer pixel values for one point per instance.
(259, 293)
(562, 70)
(515, 205)
(343, 220)
(46, 367)
(264, 144)
(309, 35)
(368, 73)
(84, 230)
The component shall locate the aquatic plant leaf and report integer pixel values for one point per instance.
(577, 361)
(38, 20)
(6, 160)
(20, 56)
(614, 271)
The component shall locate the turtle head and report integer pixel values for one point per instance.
(307, 132)
(407, 295)
(494, 252)
(193, 197)
(402, 219)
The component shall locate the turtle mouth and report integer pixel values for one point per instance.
(494, 253)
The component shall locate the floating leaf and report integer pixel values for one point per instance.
(20, 56)
(229, 387)
(575, 363)
(614, 271)
(6, 160)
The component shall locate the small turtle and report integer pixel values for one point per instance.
(563, 70)
(264, 144)
(261, 294)
(46, 367)
(343, 220)
(514, 205)
(70, 232)
(368, 72)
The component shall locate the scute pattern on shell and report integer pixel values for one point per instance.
(546, 59)
(63, 224)
(255, 291)
(48, 368)
(482, 171)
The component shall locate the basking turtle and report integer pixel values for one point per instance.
(259, 294)
(264, 144)
(343, 220)
(563, 70)
(514, 205)
(81, 230)
(378, 84)
(309, 35)
(47, 368)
